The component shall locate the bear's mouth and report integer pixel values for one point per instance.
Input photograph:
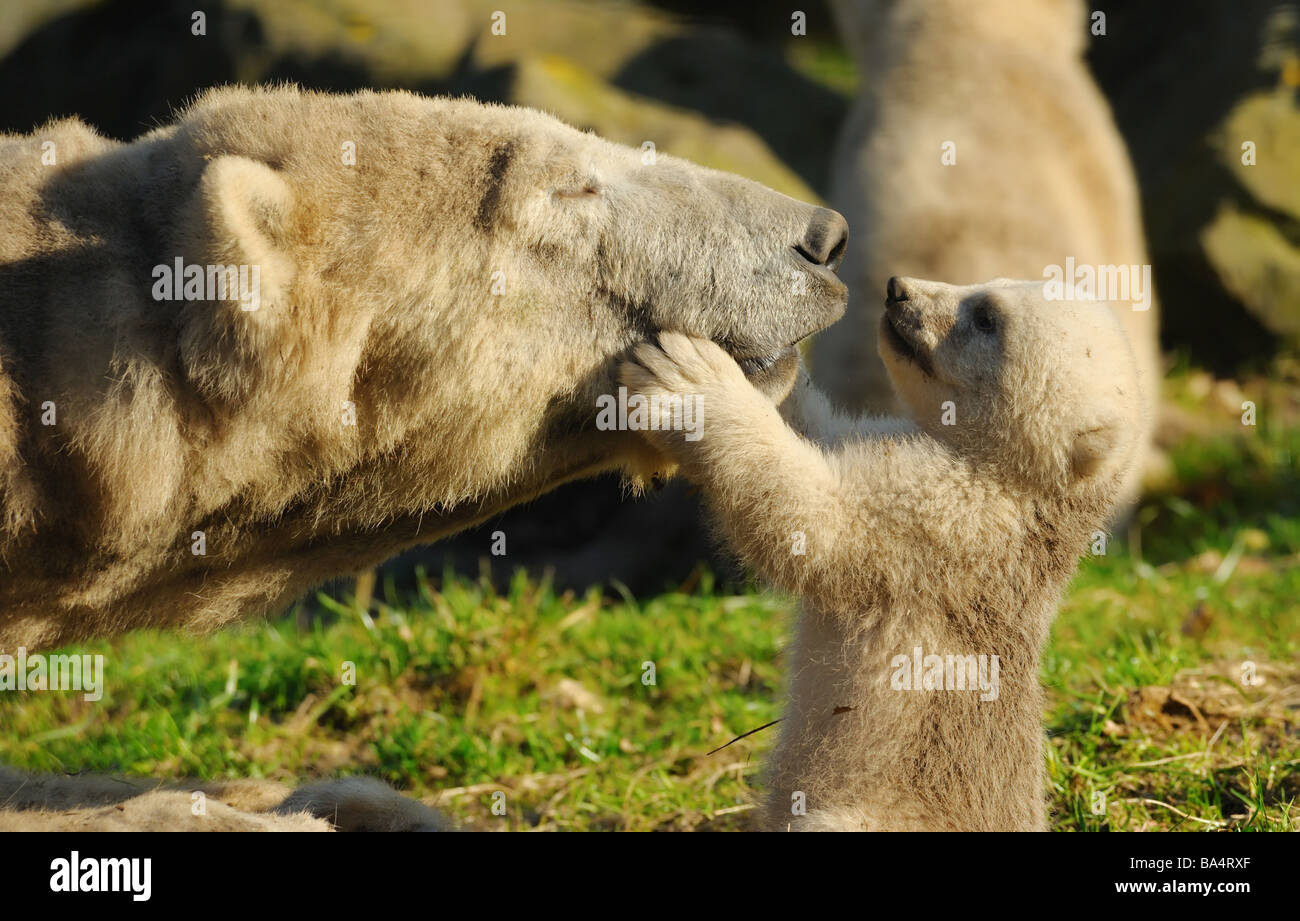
(756, 365)
(759, 368)
(760, 363)
(773, 373)
(903, 344)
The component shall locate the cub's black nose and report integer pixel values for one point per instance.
(826, 239)
(895, 290)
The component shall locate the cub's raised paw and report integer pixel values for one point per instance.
(680, 364)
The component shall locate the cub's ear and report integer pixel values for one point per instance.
(1092, 446)
(235, 230)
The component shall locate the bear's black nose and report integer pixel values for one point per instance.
(895, 290)
(826, 239)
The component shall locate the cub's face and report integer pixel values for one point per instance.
(1046, 388)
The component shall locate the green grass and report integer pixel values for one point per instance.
(458, 688)
(462, 692)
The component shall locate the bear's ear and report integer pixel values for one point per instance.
(242, 210)
(235, 230)
(1092, 446)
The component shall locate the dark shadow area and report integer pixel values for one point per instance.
(123, 66)
(1169, 89)
(759, 20)
(127, 66)
(335, 73)
(588, 533)
(715, 72)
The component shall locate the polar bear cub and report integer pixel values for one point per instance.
(930, 551)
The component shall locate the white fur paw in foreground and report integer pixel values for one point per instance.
(681, 379)
(681, 364)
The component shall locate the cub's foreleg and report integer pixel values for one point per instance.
(783, 502)
(810, 413)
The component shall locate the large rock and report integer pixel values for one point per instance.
(563, 88)
(1252, 241)
(1187, 87)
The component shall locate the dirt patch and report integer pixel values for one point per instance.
(1216, 699)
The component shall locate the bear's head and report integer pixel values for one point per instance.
(657, 243)
(1044, 390)
(472, 274)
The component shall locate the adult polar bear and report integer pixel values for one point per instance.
(1036, 175)
(445, 289)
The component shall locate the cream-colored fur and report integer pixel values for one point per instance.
(379, 300)
(900, 534)
(1041, 172)
(87, 802)
(363, 804)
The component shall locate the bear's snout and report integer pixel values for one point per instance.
(902, 309)
(826, 239)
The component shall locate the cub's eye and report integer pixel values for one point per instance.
(985, 318)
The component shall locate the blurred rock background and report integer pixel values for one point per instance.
(729, 87)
